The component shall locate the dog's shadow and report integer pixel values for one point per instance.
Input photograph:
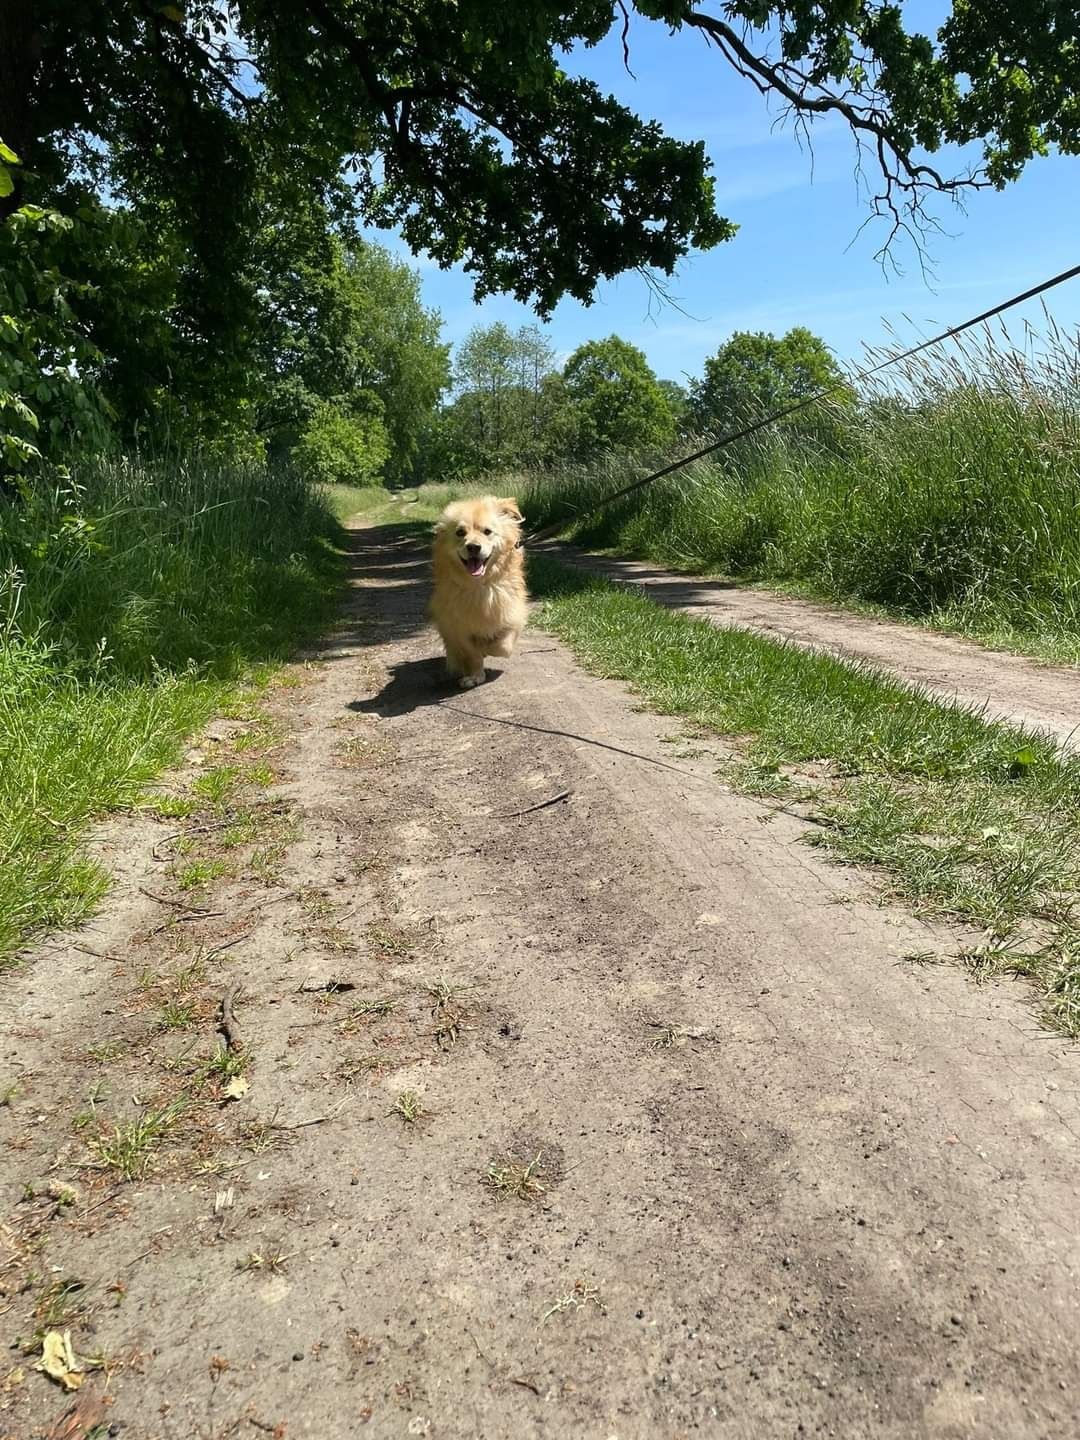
(412, 685)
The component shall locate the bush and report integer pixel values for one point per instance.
(337, 448)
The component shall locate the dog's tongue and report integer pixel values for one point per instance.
(474, 566)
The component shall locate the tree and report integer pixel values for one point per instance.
(678, 398)
(484, 376)
(459, 124)
(103, 325)
(50, 400)
(616, 401)
(342, 323)
(754, 374)
(502, 413)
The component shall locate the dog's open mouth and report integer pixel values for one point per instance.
(474, 564)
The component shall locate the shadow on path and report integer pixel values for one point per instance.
(412, 685)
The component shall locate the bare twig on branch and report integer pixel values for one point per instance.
(907, 181)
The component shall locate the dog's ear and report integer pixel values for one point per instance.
(508, 506)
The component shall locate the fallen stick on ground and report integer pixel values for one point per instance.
(542, 805)
(303, 1124)
(180, 834)
(228, 1025)
(226, 945)
(190, 910)
(185, 915)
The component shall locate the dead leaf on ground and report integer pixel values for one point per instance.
(58, 1360)
(237, 1088)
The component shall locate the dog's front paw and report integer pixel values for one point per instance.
(467, 682)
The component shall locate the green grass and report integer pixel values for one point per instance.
(423, 505)
(176, 1014)
(128, 1149)
(952, 498)
(344, 501)
(409, 1107)
(72, 749)
(976, 820)
(135, 602)
(200, 873)
(218, 784)
(517, 1176)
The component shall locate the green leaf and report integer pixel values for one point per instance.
(1022, 761)
(8, 155)
(7, 185)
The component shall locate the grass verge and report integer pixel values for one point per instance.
(344, 501)
(962, 817)
(135, 602)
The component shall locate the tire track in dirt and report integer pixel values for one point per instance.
(791, 1186)
(1003, 686)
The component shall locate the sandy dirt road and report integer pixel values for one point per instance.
(792, 1185)
(1005, 687)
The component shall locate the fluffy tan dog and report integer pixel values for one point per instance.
(479, 600)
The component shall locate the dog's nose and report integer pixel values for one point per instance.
(473, 548)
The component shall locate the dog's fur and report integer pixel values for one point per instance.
(479, 600)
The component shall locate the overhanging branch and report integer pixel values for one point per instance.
(907, 181)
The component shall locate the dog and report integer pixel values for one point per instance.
(479, 600)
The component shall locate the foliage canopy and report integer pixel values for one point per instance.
(616, 401)
(756, 374)
(460, 123)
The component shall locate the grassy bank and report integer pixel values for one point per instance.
(134, 601)
(344, 501)
(951, 498)
(974, 820)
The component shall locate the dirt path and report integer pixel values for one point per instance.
(1008, 687)
(786, 1184)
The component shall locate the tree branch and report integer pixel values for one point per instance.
(867, 118)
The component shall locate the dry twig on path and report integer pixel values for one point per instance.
(540, 805)
(228, 1025)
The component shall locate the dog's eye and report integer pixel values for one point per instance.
(487, 532)
(461, 530)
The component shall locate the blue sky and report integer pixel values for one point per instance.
(793, 261)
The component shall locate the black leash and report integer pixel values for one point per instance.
(547, 531)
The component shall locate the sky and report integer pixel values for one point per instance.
(797, 258)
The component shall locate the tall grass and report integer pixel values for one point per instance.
(142, 565)
(950, 492)
(133, 598)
